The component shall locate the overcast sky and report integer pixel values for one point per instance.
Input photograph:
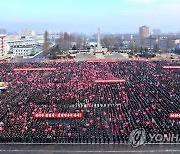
(112, 16)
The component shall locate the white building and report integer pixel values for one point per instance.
(3, 45)
(27, 33)
(23, 42)
(177, 44)
(177, 41)
(22, 51)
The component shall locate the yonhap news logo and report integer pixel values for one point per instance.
(138, 137)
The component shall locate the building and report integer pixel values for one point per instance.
(150, 42)
(177, 44)
(27, 33)
(3, 44)
(23, 42)
(22, 51)
(144, 32)
(127, 37)
(15, 41)
(24, 47)
(166, 43)
(177, 41)
(2, 31)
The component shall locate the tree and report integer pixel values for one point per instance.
(109, 41)
(155, 49)
(66, 41)
(170, 44)
(74, 47)
(46, 44)
(141, 49)
(46, 41)
(146, 49)
(131, 46)
(136, 47)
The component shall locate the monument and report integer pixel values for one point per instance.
(99, 49)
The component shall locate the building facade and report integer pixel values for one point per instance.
(27, 33)
(144, 32)
(3, 44)
(177, 44)
(22, 51)
(150, 42)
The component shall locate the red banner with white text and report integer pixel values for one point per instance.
(111, 81)
(58, 115)
(174, 115)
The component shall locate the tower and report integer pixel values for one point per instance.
(99, 51)
(144, 32)
(99, 47)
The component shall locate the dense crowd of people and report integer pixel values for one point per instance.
(110, 110)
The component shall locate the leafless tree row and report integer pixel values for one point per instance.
(71, 41)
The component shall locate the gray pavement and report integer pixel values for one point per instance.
(84, 56)
(115, 56)
(79, 57)
(88, 148)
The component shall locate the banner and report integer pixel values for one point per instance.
(138, 59)
(173, 67)
(58, 115)
(174, 115)
(102, 61)
(34, 69)
(110, 81)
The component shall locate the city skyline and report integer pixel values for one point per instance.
(113, 16)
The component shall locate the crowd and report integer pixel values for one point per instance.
(110, 111)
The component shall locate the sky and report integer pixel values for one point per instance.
(85, 16)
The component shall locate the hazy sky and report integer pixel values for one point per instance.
(122, 16)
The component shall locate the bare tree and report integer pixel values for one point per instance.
(67, 41)
(131, 46)
(170, 43)
(46, 44)
(109, 41)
